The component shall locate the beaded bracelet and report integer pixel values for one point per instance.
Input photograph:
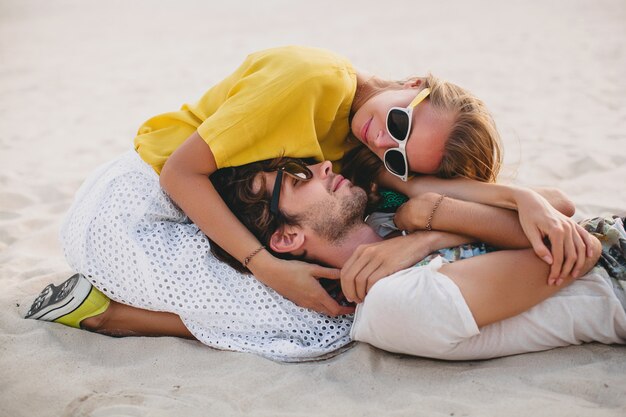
(429, 225)
(249, 257)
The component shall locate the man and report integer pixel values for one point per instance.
(434, 310)
(470, 309)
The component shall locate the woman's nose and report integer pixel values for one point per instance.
(384, 141)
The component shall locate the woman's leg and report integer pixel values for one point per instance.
(122, 320)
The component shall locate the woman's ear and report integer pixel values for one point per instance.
(287, 239)
(413, 83)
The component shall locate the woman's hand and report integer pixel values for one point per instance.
(569, 243)
(374, 261)
(298, 281)
(413, 214)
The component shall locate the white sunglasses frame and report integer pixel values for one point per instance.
(402, 144)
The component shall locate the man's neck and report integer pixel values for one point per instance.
(336, 255)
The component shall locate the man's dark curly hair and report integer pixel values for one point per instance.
(252, 207)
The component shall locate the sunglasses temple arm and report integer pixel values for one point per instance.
(276, 191)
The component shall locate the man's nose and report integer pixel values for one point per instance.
(325, 168)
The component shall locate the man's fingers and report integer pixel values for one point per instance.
(348, 284)
(362, 279)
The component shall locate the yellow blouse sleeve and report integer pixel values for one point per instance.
(290, 101)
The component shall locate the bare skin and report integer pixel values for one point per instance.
(121, 320)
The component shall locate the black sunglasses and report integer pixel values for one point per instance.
(294, 169)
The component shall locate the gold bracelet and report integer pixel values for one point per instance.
(249, 257)
(429, 225)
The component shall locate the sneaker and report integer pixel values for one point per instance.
(69, 303)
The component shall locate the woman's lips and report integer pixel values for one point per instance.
(364, 130)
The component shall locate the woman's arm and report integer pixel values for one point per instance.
(495, 226)
(185, 177)
(538, 218)
(493, 194)
(503, 284)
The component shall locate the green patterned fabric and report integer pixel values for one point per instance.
(390, 201)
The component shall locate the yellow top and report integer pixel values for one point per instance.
(291, 101)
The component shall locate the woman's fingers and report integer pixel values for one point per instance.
(581, 249)
(556, 241)
(325, 304)
(541, 250)
(330, 307)
(319, 271)
(570, 254)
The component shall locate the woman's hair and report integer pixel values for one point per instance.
(362, 167)
(250, 204)
(473, 149)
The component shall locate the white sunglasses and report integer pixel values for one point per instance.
(399, 128)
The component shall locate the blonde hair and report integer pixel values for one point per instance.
(473, 149)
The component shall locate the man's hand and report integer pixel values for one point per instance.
(369, 263)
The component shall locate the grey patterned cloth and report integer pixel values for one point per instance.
(612, 263)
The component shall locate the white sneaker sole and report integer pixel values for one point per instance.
(57, 301)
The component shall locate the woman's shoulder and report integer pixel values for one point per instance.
(303, 61)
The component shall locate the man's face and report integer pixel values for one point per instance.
(328, 203)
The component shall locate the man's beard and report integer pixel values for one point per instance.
(335, 228)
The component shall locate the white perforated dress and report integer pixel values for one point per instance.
(136, 246)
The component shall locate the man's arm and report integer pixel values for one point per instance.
(503, 284)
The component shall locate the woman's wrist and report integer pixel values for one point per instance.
(261, 266)
(427, 202)
(519, 194)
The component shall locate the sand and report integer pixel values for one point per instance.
(78, 77)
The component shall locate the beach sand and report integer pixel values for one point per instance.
(78, 77)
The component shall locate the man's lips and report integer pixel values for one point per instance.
(338, 182)
(364, 130)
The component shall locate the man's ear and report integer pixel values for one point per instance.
(287, 239)
(413, 83)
